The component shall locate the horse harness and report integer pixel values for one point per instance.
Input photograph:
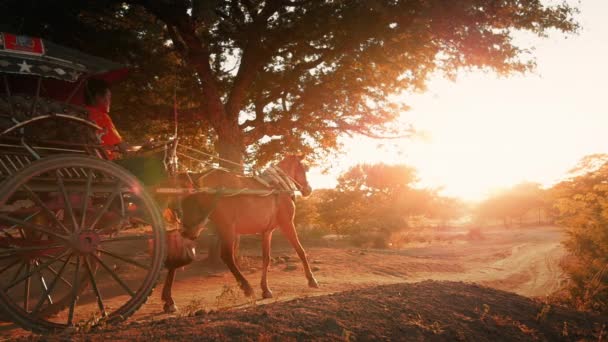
(273, 178)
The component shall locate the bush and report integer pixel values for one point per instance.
(378, 240)
(475, 234)
(583, 209)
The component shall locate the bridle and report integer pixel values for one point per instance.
(295, 184)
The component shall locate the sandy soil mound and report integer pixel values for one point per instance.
(429, 310)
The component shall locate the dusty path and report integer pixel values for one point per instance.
(425, 311)
(524, 261)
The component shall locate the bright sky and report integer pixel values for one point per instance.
(488, 132)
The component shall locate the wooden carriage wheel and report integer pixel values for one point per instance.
(67, 221)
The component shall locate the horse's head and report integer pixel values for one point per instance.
(294, 167)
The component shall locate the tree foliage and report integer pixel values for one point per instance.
(376, 198)
(582, 204)
(514, 204)
(269, 76)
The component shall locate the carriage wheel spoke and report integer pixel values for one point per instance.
(85, 201)
(18, 271)
(43, 284)
(4, 257)
(114, 275)
(125, 259)
(12, 252)
(102, 308)
(29, 272)
(66, 200)
(50, 257)
(58, 273)
(128, 238)
(74, 292)
(47, 293)
(7, 267)
(106, 206)
(21, 233)
(29, 225)
(26, 288)
(46, 209)
(122, 207)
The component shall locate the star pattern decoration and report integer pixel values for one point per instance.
(74, 74)
(24, 67)
(34, 67)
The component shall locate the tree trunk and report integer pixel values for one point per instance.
(230, 148)
(229, 145)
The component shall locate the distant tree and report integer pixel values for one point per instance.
(343, 212)
(582, 204)
(263, 77)
(307, 211)
(513, 204)
(377, 178)
(447, 209)
(376, 197)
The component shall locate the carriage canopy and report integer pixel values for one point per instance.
(25, 55)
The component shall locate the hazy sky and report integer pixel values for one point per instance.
(488, 132)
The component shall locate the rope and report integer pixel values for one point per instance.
(203, 162)
(213, 156)
(175, 107)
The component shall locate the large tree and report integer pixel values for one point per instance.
(266, 76)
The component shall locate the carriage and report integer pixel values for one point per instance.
(82, 240)
(73, 248)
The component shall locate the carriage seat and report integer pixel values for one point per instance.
(20, 108)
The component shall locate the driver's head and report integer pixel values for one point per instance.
(97, 94)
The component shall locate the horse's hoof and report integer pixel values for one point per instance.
(267, 294)
(170, 308)
(313, 283)
(248, 291)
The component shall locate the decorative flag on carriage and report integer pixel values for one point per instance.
(22, 44)
(24, 55)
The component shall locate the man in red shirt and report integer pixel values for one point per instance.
(149, 169)
(98, 99)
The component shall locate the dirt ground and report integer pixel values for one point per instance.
(426, 311)
(523, 261)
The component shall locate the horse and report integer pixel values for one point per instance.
(241, 214)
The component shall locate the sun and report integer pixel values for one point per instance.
(487, 133)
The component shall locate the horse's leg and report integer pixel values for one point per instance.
(290, 233)
(266, 239)
(169, 306)
(228, 238)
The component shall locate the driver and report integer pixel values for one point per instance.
(98, 98)
(149, 169)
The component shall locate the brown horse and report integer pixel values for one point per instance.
(241, 214)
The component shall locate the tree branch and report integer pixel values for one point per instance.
(191, 47)
(253, 59)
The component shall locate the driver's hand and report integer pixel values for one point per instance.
(149, 144)
(123, 147)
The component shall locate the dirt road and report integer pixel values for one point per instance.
(524, 261)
